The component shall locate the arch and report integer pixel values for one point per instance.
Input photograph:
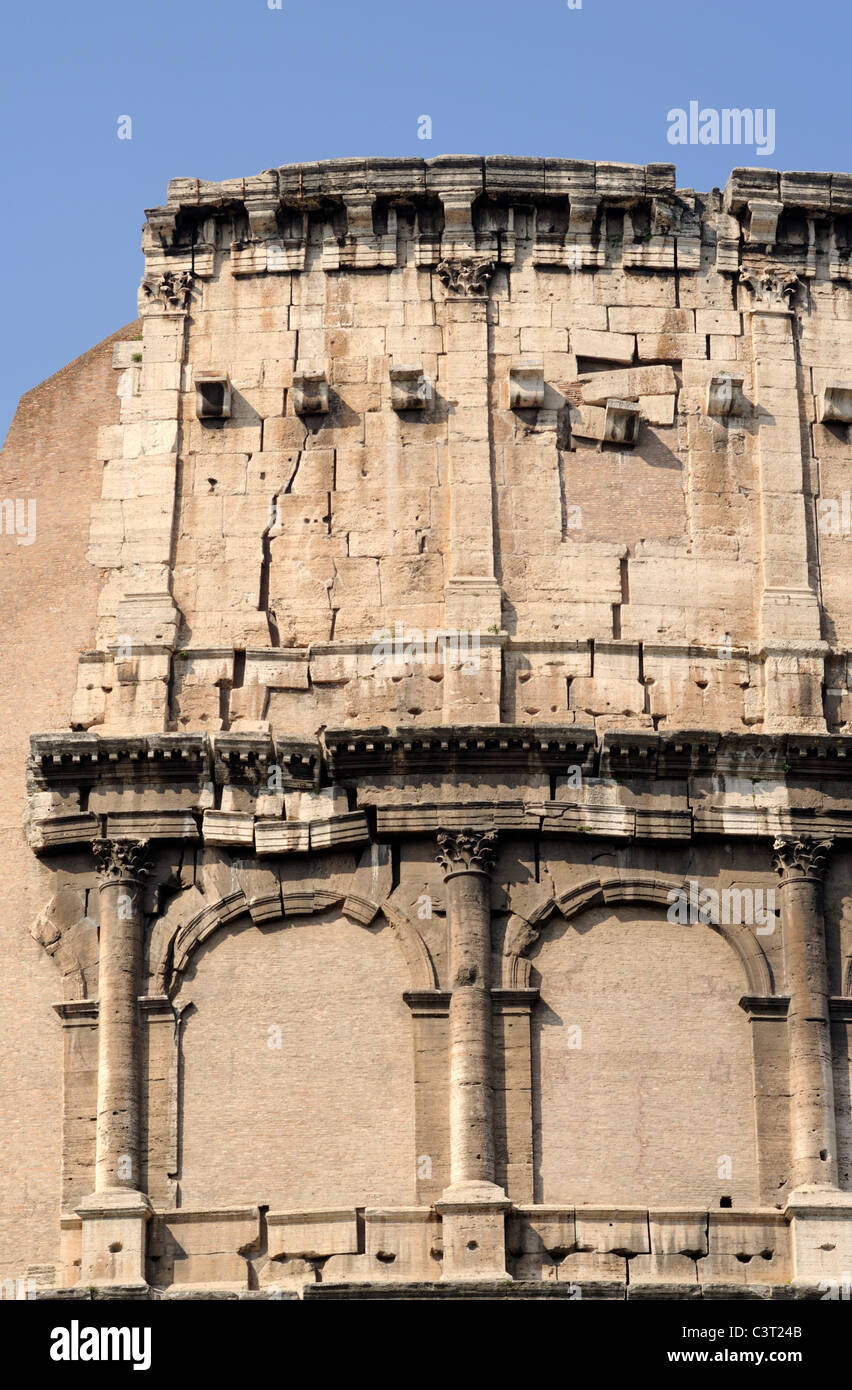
(283, 1086)
(616, 889)
(69, 936)
(642, 1060)
(272, 908)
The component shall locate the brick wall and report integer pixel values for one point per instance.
(48, 605)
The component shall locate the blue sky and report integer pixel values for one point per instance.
(229, 87)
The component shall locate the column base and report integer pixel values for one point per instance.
(821, 1234)
(474, 1231)
(113, 1243)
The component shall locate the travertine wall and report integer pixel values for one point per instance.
(704, 596)
(593, 429)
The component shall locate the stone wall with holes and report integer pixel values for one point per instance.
(597, 427)
(598, 421)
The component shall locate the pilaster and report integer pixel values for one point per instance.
(114, 1215)
(473, 1206)
(801, 864)
(790, 630)
(473, 598)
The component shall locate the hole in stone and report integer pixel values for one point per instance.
(472, 1245)
(385, 1257)
(823, 1153)
(725, 1202)
(115, 1246)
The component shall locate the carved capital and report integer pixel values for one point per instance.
(121, 861)
(468, 278)
(466, 851)
(799, 857)
(171, 289)
(772, 286)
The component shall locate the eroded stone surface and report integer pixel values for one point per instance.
(505, 526)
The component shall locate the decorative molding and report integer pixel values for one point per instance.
(191, 774)
(801, 859)
(421, 968)
(617, 890)
(468, 279)
(428, 1003)
(307, 901)
(772, 286)
(506, 747)
(761, 1008)
(515, 1000)
(172, 289)
(121, 861)
(466, 851)
(77, 1013)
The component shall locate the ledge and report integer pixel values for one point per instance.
(189, 788)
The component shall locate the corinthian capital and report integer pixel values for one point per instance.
(468, 278)
(772, 286)
(121, 861)
(466, 851)
(800, 857)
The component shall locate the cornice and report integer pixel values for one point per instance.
(467, 202)
(504, 747)
(65, 770)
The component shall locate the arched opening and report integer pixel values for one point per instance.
(643, 1086)
(296, 1083)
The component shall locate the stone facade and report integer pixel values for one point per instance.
(441, 865)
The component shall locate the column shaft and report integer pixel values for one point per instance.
(471, 1087)
(117, 1157)
(813, 1131)
(466, 858)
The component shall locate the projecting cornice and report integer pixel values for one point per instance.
(466, 203)
(236, 790)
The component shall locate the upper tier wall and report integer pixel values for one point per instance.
(596, 425)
